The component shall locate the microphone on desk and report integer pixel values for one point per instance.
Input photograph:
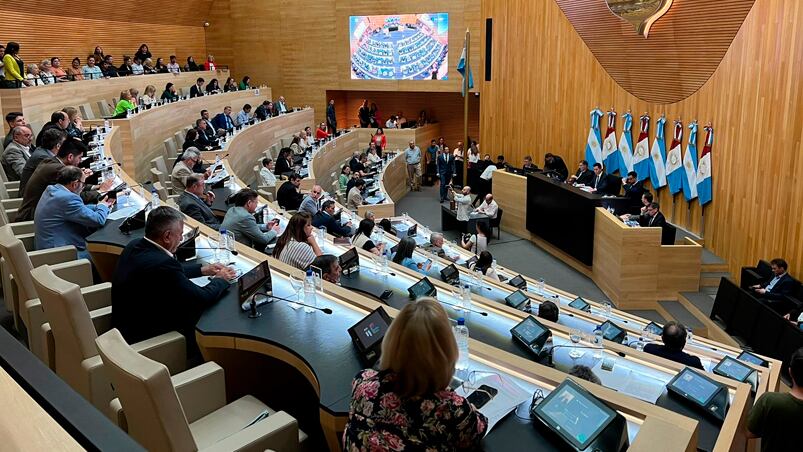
(212, 163)
(483, 313)
(274, 298)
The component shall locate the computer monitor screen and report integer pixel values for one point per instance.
(733, 369)
(371, 329)
(518, 281)
(253, 280)
(529, 330)
(695, 387)
(472, 261)
(413, 231)
(654, 328)
(752, 359)
(516, 299)
(612, 332)
(580, 304)
(422, 288)
(349, 259)
(450, 273)
(574, 414)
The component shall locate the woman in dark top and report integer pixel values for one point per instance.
(407, 404)
(169, 93)
(230, 85)
(213, 87)
(143, 53)
(191, 65)
(161, 67)
(125, 68)
(364, 113)
(363, 238)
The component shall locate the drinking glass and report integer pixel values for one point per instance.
(297, 284)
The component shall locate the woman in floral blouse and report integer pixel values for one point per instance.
(407, 404)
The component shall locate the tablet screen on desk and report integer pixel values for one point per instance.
(695, 387)
(422, 288)
(256, 278)
(472, 261)
(349, 259)
(371, 329)
(612, 332)
(733, 369)
(516, 299)
(580, 304)
(574, 414)
(529, 330)
(752, 359)
(450, 274)
(654, 328)
(413, 231)
(518, 282)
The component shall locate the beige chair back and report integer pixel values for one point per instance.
(162, 191)
(72, 328)
(153, 411)
(103, 108)
(170, 149)
(159, 163)
(3, 176)
(3, 217)
(86, 111)
(159, 176)
(16, 257)
(179, 139)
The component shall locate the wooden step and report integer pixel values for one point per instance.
(711, 279)
(711, 268)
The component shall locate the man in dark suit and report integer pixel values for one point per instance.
(633, 189)
(326, 218)
(583, 176)
(356, 164)
(529, 166)
(58, 120)
(288, 195)
(51, 143)
(194, 203)
(223, 121)
(331, 117)
(197, 89)
(556, 164)
(652, 218)
(152, 293)
(284, 164)
(599, 182)
(674, 338)
(774, 290)
(446, 171)
(204, 140)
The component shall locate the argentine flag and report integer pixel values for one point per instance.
(658, 156)
(641, 155)
(461, 68)
(593, 147)
(705, 168)
(610, 151)
(626, 145)
(690, 165)
(674, 166)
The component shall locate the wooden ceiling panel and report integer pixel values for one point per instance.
(168, 12)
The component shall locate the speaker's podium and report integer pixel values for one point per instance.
(635, 270)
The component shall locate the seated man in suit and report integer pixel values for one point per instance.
(211, 133)
(435, 246)
(355, 163)
(152, 293)
(674, 338)
(529, 166)
(556, 164)
(240, 221)
(51, 143)
(183, 170)
(197, 89)
(288, 195)
(326, 218)
(330, 267)
(583, 176)
(652, 217)
(223, 121)
(194, 203)
(780, 285)
(204, 139)
(284, 163)
(61, 216)
(312, 202)
(354, 198)
(17, 153)
(599, 182)
(633, 189)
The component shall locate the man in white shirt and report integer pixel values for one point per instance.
(489, 207)
(266, 173)
(243, 116)
(173, 66)
(391, 123)
(463, 201)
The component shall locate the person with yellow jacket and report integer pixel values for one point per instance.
(13, 68)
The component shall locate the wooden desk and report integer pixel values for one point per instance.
(39, 102)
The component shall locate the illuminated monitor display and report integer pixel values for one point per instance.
(574, 414)
(399, 47)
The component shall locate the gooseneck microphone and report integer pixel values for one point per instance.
(274, 298)
(483, 313)
(233, 252)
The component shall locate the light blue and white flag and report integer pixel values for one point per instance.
(658, 155)
(674, 160)
(626, 145)
(461, 68)
(610, 151)
(594, 144)
(641, 155)
(690, 165)
(705, 169)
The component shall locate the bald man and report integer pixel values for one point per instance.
(312, 202)
(488, 207)
(17, 153)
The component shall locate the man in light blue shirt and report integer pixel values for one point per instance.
(311, 202)
(90, 71)
(412, 156)
(243, 116)
(62, 218)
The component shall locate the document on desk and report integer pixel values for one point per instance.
(631, 383)
(510, 396)
(121, 213)
(217, 177)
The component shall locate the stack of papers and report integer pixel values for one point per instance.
(510, 396)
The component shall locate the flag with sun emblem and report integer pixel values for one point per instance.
(641, 155)
(610, 151)
(626, 145)
(690, 165)
(705, 168)
(594, 145)
(658, 155)
(674, 166)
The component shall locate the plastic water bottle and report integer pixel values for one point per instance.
(265, 215)
(607, 307)
(541, 286)
(106, 125)
(309, 291)
(383, 261)
(223, 246)
(155, 201)
(465, 294)
(598, 342)
(461, 336)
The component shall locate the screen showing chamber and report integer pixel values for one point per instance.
(610, 331)
(371, 329)
(399, 47)
(421, 288)
(518, 281)
(732, 368)
(450, 273)
(349, 259)
(250, 282)
(694, 387)
(516, 299)
(580, 304)
(574, 415)
(529, 330)
(752, 359)
(654, 328)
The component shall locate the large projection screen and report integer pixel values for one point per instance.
(399, 47)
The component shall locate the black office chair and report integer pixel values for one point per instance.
(668, 233)
(751, 276)
(725, 303)
(614, 185)
(496, 223)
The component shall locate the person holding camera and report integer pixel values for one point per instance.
(463, 202)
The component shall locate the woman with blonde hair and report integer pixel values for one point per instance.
(149, 98)
(407, 403)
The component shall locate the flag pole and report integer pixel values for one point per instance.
(466, 77)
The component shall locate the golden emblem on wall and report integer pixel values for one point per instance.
(640, 13)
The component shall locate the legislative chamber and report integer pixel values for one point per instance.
(471, 225)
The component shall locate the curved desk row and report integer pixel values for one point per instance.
(38, 102)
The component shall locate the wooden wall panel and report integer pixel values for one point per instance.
(44, 35)
(447, 108)
(684, 47)
(300, 47)
(167, 12)
(545, 92)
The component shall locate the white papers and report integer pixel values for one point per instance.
(217, 177)
(510, 396)
(121, 213)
